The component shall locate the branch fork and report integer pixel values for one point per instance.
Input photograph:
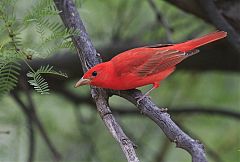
(87, 53)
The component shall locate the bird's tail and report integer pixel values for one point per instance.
(192, 44)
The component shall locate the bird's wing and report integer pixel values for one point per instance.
(129, 61)
(162, 60)
(145, 61)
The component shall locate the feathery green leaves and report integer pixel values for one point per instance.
(43, 8)
(51, 36)
(9, 71)
(38, 82)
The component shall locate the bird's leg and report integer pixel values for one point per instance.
(155, 85)
(145, 95)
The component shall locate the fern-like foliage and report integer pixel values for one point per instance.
(42, 8)
(9, 42)
(43, 17)
(50, 31)
(38, 82)
(9, 71)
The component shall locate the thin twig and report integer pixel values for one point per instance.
(25, 109)
(84, 130)
(89, 57)
(32, 143)
(30, 109)
(34, 118)
(162, 20)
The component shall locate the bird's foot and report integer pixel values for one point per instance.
(141, 98)
(147, 94)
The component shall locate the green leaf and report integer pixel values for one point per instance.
(9, 72)
(38, 82)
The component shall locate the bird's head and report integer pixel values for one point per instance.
(95, 76)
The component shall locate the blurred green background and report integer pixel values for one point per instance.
(77, 131)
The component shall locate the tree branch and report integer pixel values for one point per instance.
(32, 140)
(162, 20)
(31, 113)
(219, 21)
(163, 120)
(191, 7)
(25, 109)
(89, 57)
(83, 127)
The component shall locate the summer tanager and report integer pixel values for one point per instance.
(144, 65)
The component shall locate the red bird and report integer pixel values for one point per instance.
(145, 65)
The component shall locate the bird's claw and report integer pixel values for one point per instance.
(138, 101)
(141, 98)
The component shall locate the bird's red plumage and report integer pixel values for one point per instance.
(145, 65)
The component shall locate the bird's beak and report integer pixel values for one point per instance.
(81, 82)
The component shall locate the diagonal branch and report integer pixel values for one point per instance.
(31, 114)
(220, 22)
(163, 120)
(89, 57)
(162, 20)
(32, 139)
(211, 12)
(25, 109)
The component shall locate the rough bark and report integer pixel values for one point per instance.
(89, 57)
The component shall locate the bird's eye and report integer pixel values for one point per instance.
(94, 73)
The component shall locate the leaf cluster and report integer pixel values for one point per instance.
(38, 82)
(51, 36)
